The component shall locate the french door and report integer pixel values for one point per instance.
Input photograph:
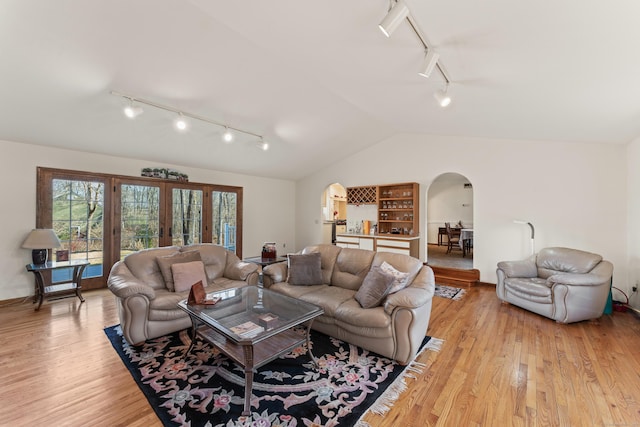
(76, 212)
(102, 218)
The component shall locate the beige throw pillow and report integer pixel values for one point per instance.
(186, 274)
(375, 287)
(305, 269)
(165, 263)
(401, 279)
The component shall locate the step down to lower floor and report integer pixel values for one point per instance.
(455, 276)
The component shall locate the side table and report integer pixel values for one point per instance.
(263, 262)
(44, 287)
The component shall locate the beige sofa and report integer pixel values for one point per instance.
(563, 284)
(147, 304)
(395, 329)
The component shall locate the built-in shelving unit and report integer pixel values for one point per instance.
(399, 209)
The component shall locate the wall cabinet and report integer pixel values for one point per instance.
(362, 195)
(399, 209)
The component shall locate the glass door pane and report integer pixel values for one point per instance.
(187, 216)
(224, 219)
(78, 220)
(139, 218)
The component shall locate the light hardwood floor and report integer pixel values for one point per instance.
(499, 366)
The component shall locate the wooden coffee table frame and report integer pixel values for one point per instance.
(252, 353)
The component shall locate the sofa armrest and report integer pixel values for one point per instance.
(123, 284)
(523, 268)
(240, 270)
(407, 298)
(275, 273)
(419, 293)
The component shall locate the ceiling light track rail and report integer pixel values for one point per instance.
(138, 100)
(423, 40)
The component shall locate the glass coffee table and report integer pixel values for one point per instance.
(252, 326)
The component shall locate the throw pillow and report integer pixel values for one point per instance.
(165, 263)
(186, 274)
(375, 286)
(305, 269)
(401, 279)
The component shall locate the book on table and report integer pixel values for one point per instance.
(247, 329)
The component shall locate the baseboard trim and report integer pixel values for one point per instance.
(455, 276)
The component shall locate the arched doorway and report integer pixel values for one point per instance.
(449, 199)
(334, 212)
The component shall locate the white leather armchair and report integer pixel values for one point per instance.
(566, 285)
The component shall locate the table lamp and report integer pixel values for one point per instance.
(41, 240)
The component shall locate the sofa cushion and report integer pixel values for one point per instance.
(375, 287)
(532, 289)
(352, 265)
(329, 255)
(366, 321)
(186, 274)
(216, 258)
(144, 267)
(400, 279)
(305, 269)
(566, 260)
(329, 298)
(165, 263)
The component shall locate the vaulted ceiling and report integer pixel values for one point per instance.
(317, 79)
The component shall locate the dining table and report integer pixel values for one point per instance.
(466, 240)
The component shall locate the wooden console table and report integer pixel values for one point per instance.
(44, 287)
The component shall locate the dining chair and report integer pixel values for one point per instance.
(453, 237)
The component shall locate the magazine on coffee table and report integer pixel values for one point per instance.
(247, 329)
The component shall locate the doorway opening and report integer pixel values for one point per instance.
(450, 200)
(334, 212)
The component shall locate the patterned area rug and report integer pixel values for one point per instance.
(205, 388)
(449, 292)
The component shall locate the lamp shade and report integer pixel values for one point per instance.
(41, 239)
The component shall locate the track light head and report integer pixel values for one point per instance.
(227, 136)
(263, 145)
(429, 63)
(132, 111)
(443, 98)
(180, 123)
(393, 19)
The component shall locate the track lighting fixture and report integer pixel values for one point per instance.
(227, 136)
(181, 123)
(429, 63)
(393, 19)
(263, 145)
(132, 111)
(398, 13)
(443, 97)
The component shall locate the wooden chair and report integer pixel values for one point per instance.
(453, 237)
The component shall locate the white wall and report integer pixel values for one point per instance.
(574, 194)
(633, 223)
(268, 203)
